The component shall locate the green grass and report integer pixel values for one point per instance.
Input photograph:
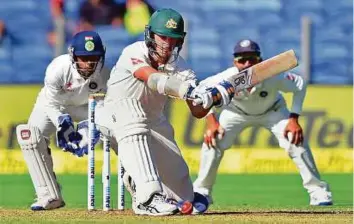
(242, 198)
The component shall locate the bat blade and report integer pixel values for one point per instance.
(261, 71)
(264, 70)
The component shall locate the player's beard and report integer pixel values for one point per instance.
(87, 71)
(163, 53)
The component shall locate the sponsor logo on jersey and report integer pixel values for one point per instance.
(25, 134)
(93, 85)
(68, 85)
(136, 61)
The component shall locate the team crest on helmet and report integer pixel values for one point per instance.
(89, 46)
(245, 43)
(171, 24)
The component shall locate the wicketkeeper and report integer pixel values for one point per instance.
(69, 80)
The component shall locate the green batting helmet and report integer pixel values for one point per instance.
(165, 22)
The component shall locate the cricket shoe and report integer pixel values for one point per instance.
(156, 206)
(204, 192)
(201, 203)
(47, 204)
(321, 197)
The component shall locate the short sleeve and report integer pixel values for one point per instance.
(132, 58)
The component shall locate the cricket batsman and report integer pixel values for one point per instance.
(69, 80)
(261, 105)
(145, 75)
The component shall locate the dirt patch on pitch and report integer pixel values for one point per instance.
(83, 216)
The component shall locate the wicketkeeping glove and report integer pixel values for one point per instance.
(82, 130)
(67, 137)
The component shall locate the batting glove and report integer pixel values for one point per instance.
(219, 95)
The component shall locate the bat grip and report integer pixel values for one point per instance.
(197, 101)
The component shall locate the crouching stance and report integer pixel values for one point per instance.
(262, 105)
(69, 80)
(145, 75)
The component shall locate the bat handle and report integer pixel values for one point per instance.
(197, 101)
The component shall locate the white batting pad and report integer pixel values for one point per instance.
(125, 117)
(136, 158)
(39, 161)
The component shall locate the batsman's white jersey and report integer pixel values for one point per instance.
(263, 105)
(64, 91)
(134, 113)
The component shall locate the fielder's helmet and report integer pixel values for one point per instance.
(87, 43)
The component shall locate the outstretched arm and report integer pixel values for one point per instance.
(296, 84)
(163, 83)
(199, 98)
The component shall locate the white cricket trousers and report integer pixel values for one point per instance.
(275, 121)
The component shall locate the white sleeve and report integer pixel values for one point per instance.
(54, 92)
(132, 59)
(291, 82)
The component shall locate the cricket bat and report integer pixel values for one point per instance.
(264, 70)
(261, 71)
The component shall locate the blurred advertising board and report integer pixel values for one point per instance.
(327, 122)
